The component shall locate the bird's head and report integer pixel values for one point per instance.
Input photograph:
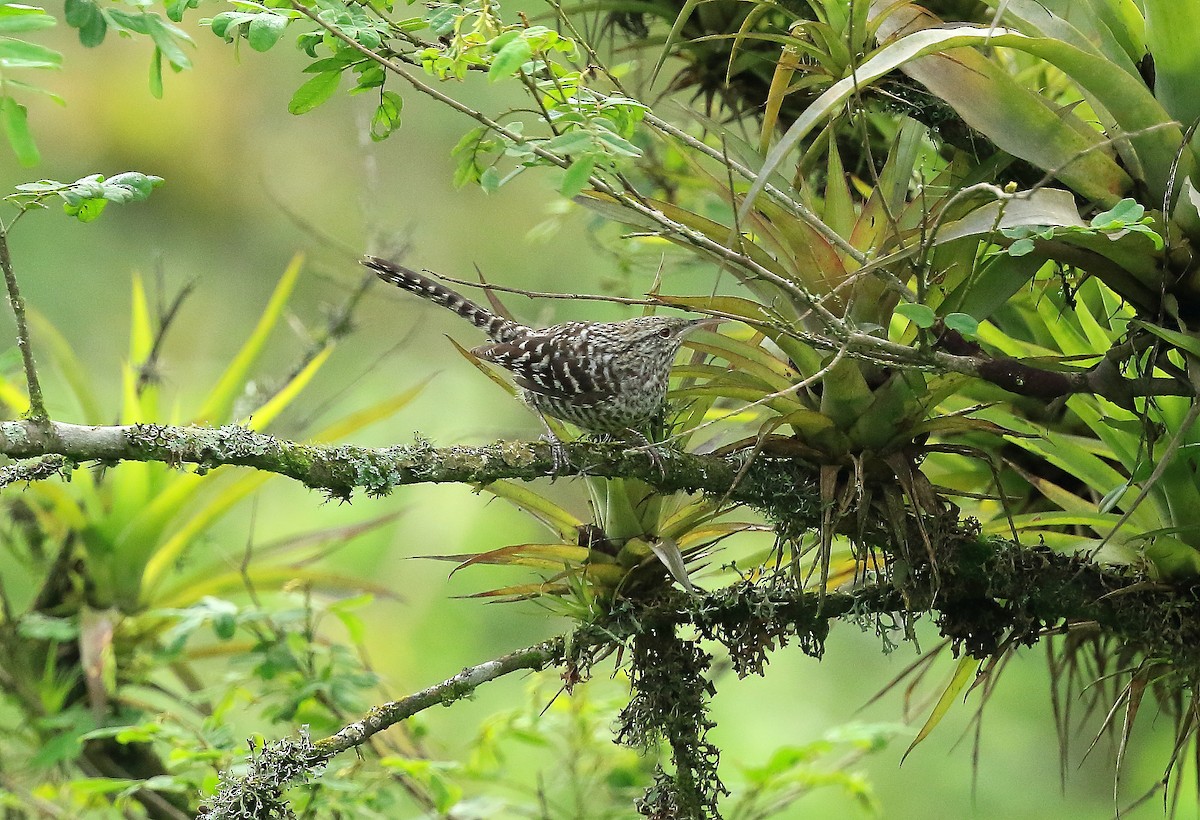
(658, 337)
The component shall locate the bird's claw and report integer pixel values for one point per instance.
(653, 451)
(560, 462)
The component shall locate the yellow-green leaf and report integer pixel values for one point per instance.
(967, 666)
(556, 518)
(220, 400)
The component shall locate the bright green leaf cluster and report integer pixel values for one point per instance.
(261, 29)
(1127, 216)
(468, 31)
(94, 20)
(86, 198)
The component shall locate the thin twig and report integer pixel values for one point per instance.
(539, 294)
(147, 369)
(535, 657)
(290, 760)
(37, 406)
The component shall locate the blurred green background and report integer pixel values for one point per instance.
(247, 186)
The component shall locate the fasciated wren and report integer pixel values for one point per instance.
(604, 377)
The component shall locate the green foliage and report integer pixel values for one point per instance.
(109, 603)
(94, 19)
(581, 773)
(86, 198)
(17, 56)
(958, 265)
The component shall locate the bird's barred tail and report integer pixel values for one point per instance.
(497, 327)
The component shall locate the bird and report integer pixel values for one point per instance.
(603, 377)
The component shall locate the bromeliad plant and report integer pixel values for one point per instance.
(112, 590)
(957, 254)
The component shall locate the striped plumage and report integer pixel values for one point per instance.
(606, 377)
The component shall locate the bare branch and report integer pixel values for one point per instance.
(37, 406)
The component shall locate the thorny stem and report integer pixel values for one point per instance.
(37, 407)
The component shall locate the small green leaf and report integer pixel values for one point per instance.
(224, 626)
(167, 37)
(330, 64)
(35, 89)
(510, 58)
(265, 31)
(618, 143)
(20, 54)
(966, 325)
(16, 128)
(314, 92)
(1021, 247)
(571, 142)
(85, 16)
(504, 39)
(88, 210)
(387, 115)
(15, 18)
(46, 628)
(176, 8)
(1124, 212)
(227, 23)
(576, 177)
(920, 315)
(489, 180)
(156, 82)
(130, 186)
(369, 77)
(1112, 497)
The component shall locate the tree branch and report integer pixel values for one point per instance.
(341, 469)
(285, 762)
(982, 588)
(989, 597)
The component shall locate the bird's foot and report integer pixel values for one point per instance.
(560, 462)
(653, 450)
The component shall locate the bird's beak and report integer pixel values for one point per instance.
(707, 323)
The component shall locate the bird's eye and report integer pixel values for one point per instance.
(664, 333)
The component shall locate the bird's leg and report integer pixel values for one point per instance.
(559, 461)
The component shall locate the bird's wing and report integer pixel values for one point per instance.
(544, 365)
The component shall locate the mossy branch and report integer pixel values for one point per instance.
(1029, 585)
(342, 469)
(991, 597)
(986, 593)
(289, 761)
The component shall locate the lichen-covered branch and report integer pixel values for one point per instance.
(342, 469)
(286, 762)
(989, 596)
(984, 591)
